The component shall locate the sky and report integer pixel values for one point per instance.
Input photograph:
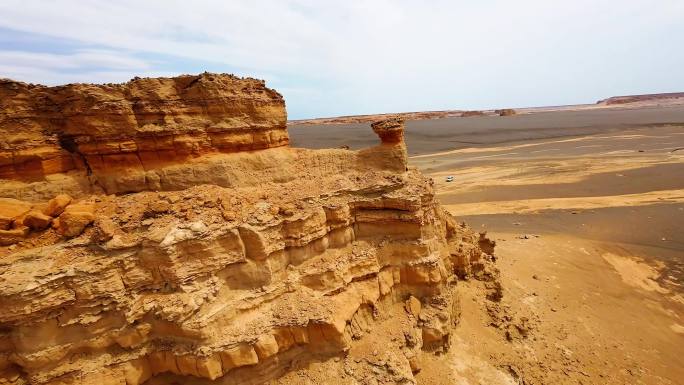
(331, 58)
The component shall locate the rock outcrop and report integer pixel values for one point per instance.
(162, 231)
(468, 114)
(505, 112)
(83, 138)
(647, 98)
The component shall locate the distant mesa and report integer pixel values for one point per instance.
(627, 99)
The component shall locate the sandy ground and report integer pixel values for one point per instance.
(587, 209)
(593, 317)
(591, 247)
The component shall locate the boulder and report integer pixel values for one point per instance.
(11, 209)
(56, 205)
(74, 220)
(36, 220)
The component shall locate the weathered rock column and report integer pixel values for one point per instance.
(390, 131)
(391, 154)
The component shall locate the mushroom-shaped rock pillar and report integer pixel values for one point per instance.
(391, 153)
(390, 131)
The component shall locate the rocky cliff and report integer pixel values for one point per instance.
(83, 138)
(162, 231)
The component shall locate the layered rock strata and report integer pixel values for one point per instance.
(116, 138)
(230, 264)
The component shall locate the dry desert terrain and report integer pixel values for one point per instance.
(587, 208)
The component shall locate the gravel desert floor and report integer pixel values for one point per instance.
(587, 209)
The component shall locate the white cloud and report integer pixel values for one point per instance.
(356, 56)
(81, 66)
(79, 59)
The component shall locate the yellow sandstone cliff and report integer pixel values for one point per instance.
(162, 231)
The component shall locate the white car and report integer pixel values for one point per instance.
(450, 178)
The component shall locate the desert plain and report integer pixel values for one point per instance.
(586, 205)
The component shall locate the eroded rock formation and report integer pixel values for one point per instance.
(468, 114)
(162, 231)
(505, 112)
(647, 98)
(84, 138)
